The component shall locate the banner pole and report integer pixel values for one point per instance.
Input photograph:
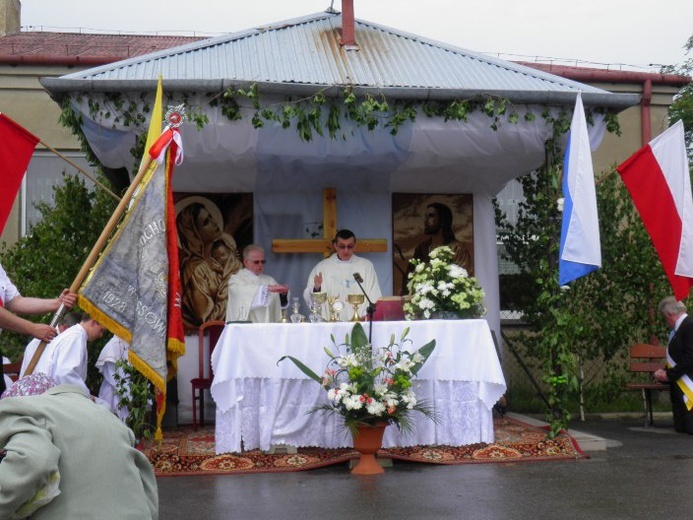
(81, 170)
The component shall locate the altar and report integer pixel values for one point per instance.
(261, 403)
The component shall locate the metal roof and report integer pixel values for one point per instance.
(305, 54)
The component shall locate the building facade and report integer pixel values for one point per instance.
(27, 56)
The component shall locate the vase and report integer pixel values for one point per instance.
(445, 315)
(367, 441)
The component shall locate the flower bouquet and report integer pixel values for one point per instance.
(440, 288)
(368, 385)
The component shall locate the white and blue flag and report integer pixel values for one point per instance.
(580, 250)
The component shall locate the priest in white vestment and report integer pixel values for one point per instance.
(335, 276)
(253, 295)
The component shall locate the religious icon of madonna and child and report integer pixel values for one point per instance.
(209, 255)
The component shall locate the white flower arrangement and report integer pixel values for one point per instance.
(367, 385)
(441, 286)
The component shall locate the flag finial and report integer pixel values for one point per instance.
(175, 116)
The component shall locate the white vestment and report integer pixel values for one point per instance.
(64, 358)
(249, 295)
(8, 290)
(8, 379)
(338, 281)
(115, 350)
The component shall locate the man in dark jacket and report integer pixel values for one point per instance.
(679, 369)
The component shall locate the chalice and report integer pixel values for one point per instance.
(355, 300)
(318, 300)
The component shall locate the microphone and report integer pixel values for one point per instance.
(370, 310)
(371, 305)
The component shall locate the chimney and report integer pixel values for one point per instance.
(10, 17)
(348, 37)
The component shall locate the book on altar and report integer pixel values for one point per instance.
(389, 308)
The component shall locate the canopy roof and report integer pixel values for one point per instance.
(305, 54)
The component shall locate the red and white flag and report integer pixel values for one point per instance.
(16, 148)
(658, 179)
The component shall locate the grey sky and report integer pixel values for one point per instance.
(588, 32)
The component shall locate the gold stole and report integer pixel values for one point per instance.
(685, 384)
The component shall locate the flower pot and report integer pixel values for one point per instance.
(367, 442)
(445, 315)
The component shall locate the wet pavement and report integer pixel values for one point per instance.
(644, 473)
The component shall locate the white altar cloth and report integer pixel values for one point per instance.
(261, 403)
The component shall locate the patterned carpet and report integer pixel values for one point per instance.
(184, 452)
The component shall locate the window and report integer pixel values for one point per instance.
(46, 171)
(511, 280)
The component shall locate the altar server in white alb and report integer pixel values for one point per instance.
(253, 295)
(70, 319)
(65, 358)
(114, 376)
(335, 276)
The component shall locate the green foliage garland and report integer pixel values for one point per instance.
(317, 114)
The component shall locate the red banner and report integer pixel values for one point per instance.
(175, 344)
(658, 179)
(16, 148)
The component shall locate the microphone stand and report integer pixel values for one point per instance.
(370, 310)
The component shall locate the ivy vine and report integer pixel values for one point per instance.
(317, 114)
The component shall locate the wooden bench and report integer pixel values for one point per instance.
(646, 358)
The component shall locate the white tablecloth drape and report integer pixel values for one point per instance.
(261, 403)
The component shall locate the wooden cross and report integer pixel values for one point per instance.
(329, 229)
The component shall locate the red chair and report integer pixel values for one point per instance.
(12, 369)
(210, 330)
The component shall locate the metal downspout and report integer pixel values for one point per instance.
(645, 115)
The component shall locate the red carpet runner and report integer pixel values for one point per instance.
(184, 452)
